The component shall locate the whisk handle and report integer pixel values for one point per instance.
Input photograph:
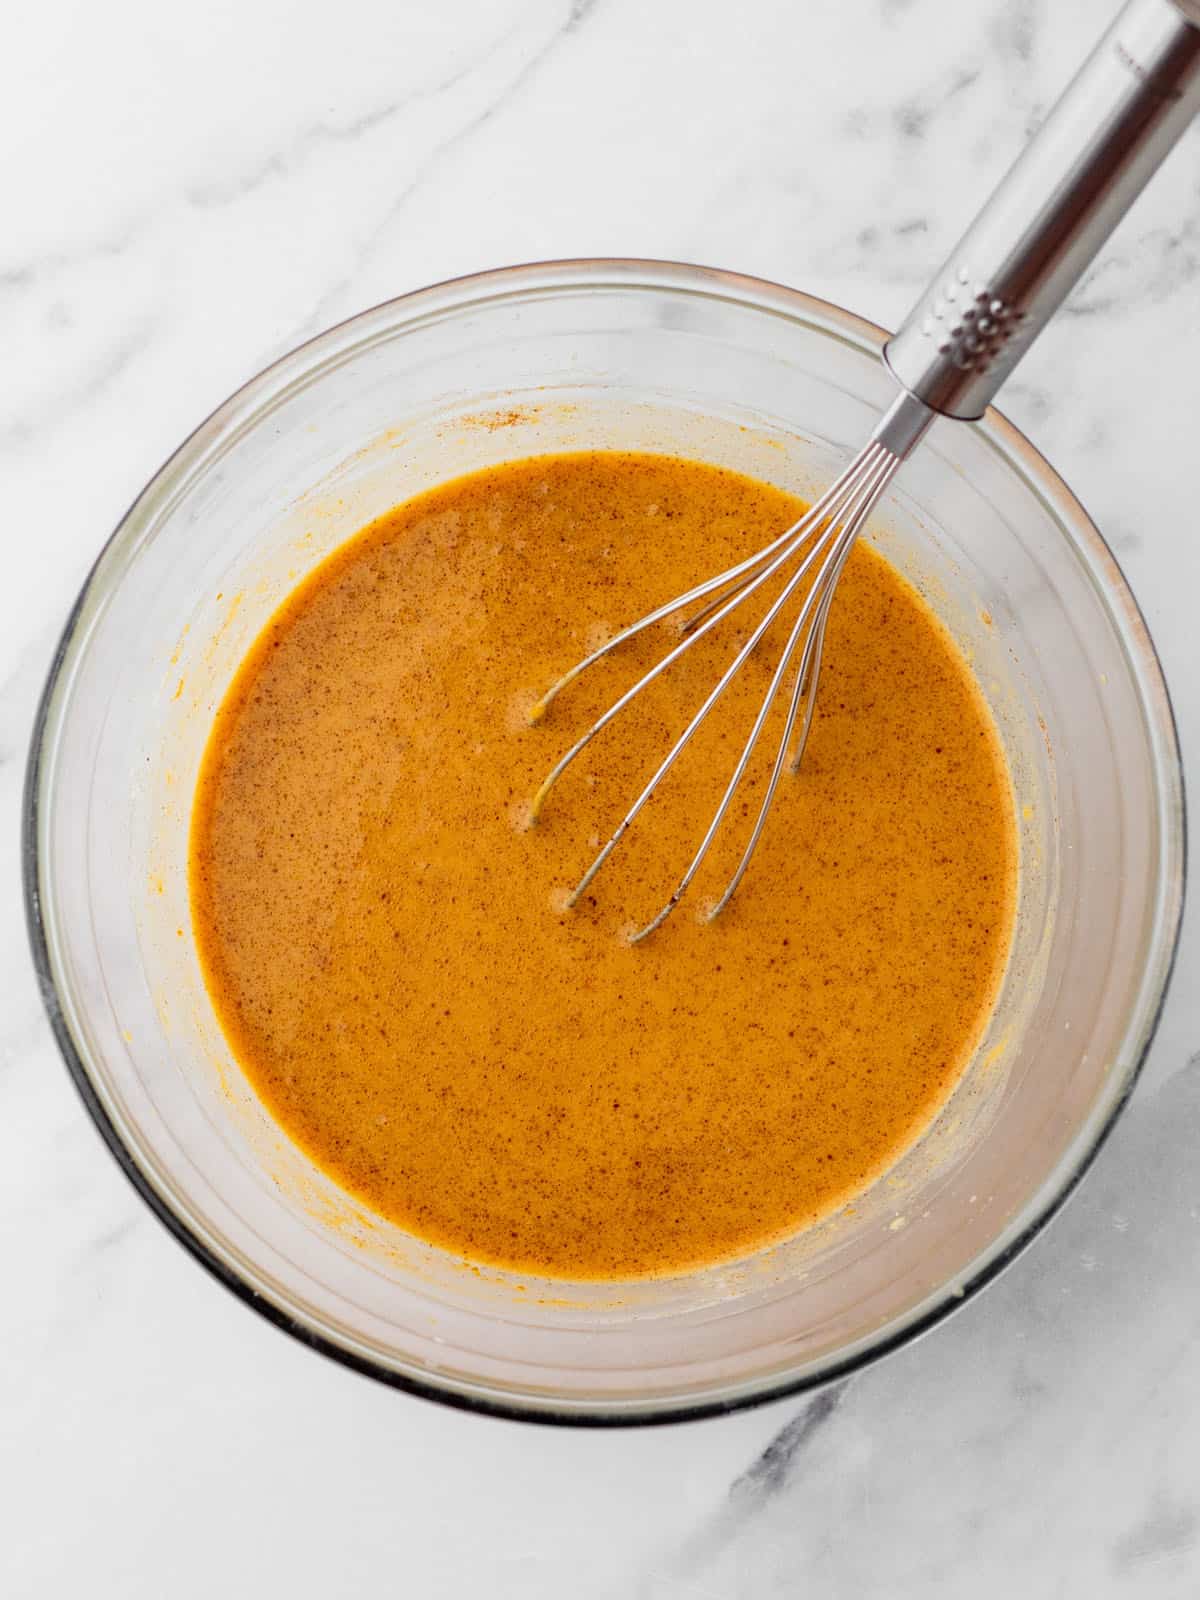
(1058, 203)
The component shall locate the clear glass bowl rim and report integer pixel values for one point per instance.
(298, 366)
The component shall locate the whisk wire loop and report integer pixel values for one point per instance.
(816, 600)
(825, 511)
(807, 676)
(822, 540)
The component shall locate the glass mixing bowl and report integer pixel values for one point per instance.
(566, 356)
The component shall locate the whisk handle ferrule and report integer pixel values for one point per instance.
(1066, 192)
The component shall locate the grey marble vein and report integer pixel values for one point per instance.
(1150, 270)
(83, 389)
(23, 274)
(286, 163)
(577, 14)
(1078, 1339)
(1170, 1530)
(775, 1468)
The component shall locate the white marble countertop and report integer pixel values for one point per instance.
(188, 192)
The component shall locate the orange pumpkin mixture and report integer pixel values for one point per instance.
(384, 942)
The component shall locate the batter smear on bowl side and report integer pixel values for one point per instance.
(383, 938)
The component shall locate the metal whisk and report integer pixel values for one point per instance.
(1008, 274)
